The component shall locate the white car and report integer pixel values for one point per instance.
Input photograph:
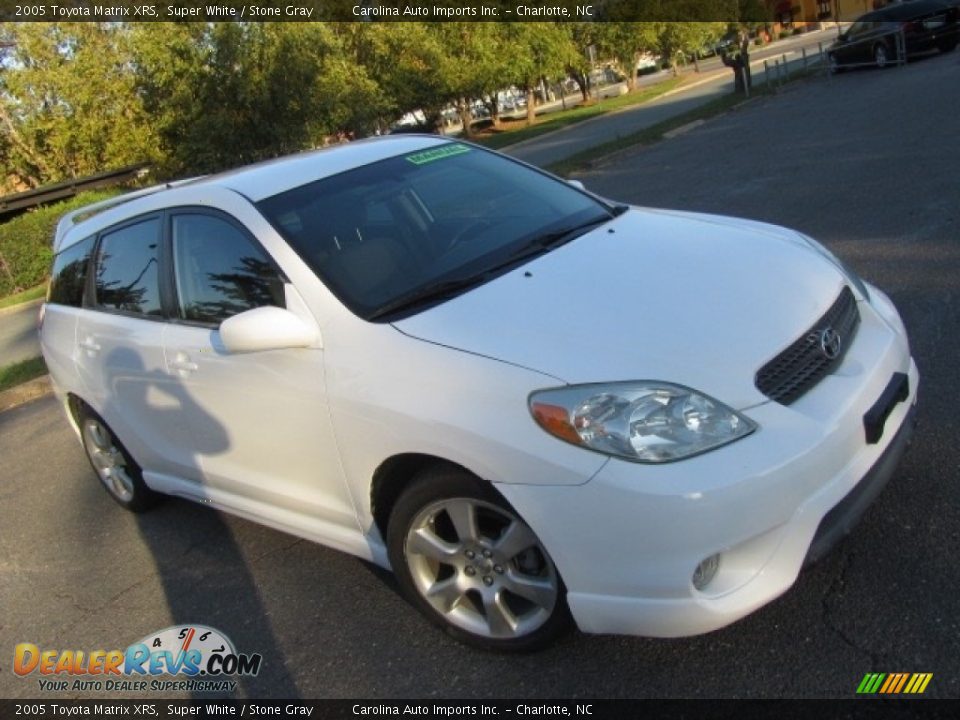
(533, 404)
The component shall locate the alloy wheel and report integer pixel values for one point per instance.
(481, 568)
(108, 459)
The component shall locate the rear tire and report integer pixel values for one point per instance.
(118, 472)
(466, 560)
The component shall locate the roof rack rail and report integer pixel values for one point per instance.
(70, 219)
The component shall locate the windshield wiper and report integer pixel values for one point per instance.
(426, 293)
(445, 288)
(549, 241)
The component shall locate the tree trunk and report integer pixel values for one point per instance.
(531, 106)
(581, 80)
(493, 106)
(466, 117)
(632, 72)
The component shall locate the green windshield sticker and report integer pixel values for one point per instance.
(444, 151)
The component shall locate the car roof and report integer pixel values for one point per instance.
(259, 181)
(256, 182)
(906, 10)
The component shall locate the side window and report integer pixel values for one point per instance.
(69, 274)
(219, 271)
(128, 276)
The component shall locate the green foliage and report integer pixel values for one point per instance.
(193, 98)
(25, 243)
(227, 94)
(68, 105)
(21, 372)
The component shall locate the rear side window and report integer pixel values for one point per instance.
(69, 274)
(128, 276)
(220, 271)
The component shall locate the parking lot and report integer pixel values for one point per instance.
(868, 163)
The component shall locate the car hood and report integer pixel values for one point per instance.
(699, 300)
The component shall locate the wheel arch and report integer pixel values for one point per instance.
(393, 476)
(74, 403)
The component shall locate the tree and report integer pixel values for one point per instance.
(677, 39)
(624, 42)
(224, 94)
(540, 51)
(68, 103)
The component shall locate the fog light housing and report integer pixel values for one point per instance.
(706, 571)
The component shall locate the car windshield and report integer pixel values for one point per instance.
(405, 233)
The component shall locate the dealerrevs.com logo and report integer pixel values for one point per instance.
(200, 658)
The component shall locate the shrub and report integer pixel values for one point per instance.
(798, 30)
(784, 34)
(25, 242)
(758, 41)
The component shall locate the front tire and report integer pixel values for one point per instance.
(119, 473)
(470, 564)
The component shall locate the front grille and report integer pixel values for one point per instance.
(802, 365)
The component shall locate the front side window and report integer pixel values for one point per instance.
(397, 229)
(69, 274)
(128, 275)
(219, 271)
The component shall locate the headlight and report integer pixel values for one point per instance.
(842, 266)
(643, 421)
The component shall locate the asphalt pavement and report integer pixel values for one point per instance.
(866, 162)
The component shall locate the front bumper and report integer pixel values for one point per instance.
(628, 541)
(838, 523)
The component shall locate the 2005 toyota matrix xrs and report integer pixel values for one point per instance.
(533, 404)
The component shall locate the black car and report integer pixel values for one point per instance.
(875, 38)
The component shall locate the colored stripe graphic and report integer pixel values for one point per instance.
(894, 683)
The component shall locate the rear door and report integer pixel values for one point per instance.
(119, 346)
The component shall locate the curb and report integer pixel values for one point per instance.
(20, 306)
(25, 392)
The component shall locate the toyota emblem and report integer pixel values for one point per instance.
(830, 343)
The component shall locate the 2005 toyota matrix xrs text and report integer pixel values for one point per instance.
(535, 405)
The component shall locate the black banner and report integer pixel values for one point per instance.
(500, 709)
(404, 11)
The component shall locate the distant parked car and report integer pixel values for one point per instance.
(872, 40)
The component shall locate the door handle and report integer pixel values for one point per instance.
(183, 364)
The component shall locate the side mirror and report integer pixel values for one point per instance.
(577, 184)
(266, 328)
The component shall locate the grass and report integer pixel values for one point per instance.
(21, 372)
(23, 297)
(514, 131)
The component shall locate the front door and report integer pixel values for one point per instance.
(257, 423)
